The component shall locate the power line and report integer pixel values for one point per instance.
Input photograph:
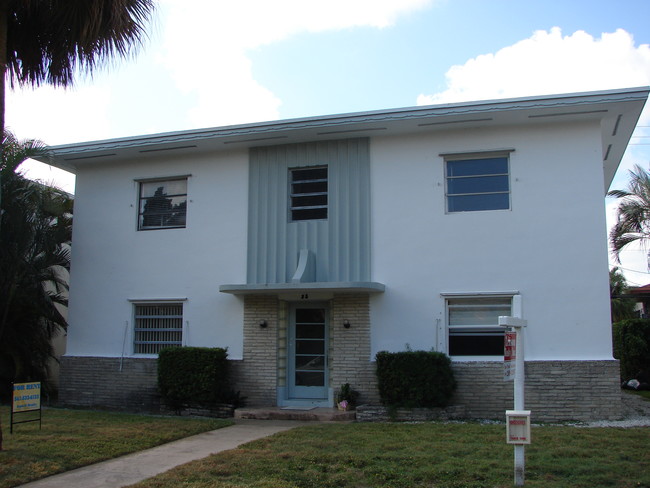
(632, 270)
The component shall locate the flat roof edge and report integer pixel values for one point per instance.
(617, 95)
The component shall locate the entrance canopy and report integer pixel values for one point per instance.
(320, 287)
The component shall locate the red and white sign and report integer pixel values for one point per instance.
(509, 355)
(518, 427)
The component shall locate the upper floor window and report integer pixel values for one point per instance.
(157, 325)
(474, 325)
(162, 204)
(308, 193)
(478, 183)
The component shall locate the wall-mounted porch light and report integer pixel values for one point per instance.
(263, 324)
(346, 323)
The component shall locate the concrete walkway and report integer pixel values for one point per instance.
(132, 468)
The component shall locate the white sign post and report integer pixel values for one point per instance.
(517, 324)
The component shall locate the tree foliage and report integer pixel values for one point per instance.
(622, 307)
(632, 347)
(633, 218)
(48, 42)
(36, 222)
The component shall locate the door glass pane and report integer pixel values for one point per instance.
(310, 379)
(310, 363)
(310, 331)
(310, 315)
(310, 347)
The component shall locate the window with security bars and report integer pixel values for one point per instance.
(157, 326)
(162, 204)
(474, 325)
(478, 184)
(308, 193)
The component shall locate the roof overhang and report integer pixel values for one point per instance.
(617, 111)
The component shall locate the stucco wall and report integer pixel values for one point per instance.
(550, 246)
(113, 263)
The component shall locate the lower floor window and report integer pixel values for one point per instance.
(474, 325)
(157, 325)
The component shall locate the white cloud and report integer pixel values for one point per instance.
(58, 116)
(549, 63)
(207, 54)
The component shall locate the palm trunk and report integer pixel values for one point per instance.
(4, 18)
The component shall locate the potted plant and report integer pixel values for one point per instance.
(346, 397)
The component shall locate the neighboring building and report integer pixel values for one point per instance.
(306, 246)
(642, 296)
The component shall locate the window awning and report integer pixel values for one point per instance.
(325, 286)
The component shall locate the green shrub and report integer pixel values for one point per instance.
(196, 376)
(632, 346)
(346, 393)
(413, 379)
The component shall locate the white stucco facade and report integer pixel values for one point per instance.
(115, 265)
(398, 255)
(550, 247)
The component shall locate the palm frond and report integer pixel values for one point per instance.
(49, 42)
(633, 213)
(36, 226)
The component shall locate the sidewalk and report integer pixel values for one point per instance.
(129, 469)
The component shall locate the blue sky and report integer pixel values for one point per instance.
(254, 60)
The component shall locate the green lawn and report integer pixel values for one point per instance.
(73, 438)
(643, 393)
(387, 455)
(422, 455)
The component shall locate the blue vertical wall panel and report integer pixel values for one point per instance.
(341, 243)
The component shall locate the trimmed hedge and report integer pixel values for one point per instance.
(632, 346)
(415, 379)
(195, 376)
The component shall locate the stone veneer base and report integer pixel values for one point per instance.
(555, 390)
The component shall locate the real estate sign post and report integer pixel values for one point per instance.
(26, 397)
(518, 420)
(509, 356)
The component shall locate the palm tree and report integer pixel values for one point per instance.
(622, 307)
(48, 42)
(34, 259)
(633, 221)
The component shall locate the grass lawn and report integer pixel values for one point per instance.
(422, 455)
(642, 393)
(73, 438)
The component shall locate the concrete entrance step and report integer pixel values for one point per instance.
(318, 414)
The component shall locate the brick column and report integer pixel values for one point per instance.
(258, 371)
(349, 349)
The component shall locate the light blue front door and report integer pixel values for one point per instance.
(307, 372)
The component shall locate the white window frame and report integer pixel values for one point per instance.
(477, 156)
(140, 214)
(159, 343)
(495, 328)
